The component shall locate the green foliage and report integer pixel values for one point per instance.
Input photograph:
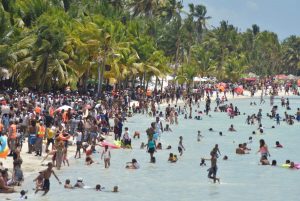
(53, 43)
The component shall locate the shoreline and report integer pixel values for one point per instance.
(32, 164)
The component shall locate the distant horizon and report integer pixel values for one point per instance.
(244, 13)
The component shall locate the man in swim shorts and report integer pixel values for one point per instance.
(47, 174)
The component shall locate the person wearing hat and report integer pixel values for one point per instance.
(79, 183)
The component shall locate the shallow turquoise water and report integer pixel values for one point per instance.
(241, 176)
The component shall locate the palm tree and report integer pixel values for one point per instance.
(199, 12)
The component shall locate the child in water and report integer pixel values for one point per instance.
(180, 146)
(199, 136)
(39, 182)
(172, 158)
(202, 163)
(167, 128)
(278, 145)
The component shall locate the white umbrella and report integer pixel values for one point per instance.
(64, 107)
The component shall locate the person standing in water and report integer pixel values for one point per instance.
(47, 174)
(151, 148)
(106, 155)
(263, 149)
(212, 171)
(180, 146)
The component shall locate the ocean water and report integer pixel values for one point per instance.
(241, 175)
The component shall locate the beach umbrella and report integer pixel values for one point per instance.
(64, 107)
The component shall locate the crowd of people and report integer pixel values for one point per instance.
(48, 124)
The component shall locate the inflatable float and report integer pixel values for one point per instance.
(3, 147)
(110, 145)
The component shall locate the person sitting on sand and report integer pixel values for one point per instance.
(278, 145)
(133, 164)
(68, 184)
(4, 188)
(231, 128)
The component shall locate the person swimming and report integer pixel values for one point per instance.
(231, 128)
(68, 184)
(199, 136)
(278, 145)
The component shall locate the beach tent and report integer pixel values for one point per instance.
(281, 77)
(291, 77)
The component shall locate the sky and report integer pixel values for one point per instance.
(279, 16)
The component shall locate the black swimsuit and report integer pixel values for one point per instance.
(46, 185)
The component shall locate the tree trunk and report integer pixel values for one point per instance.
(100, 77)
(144, 79)
(162, 84)
(147, 85)
(156, 81)
(45, 66)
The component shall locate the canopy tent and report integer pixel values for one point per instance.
(281, 77)
(291, 77)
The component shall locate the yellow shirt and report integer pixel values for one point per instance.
(50, 133)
